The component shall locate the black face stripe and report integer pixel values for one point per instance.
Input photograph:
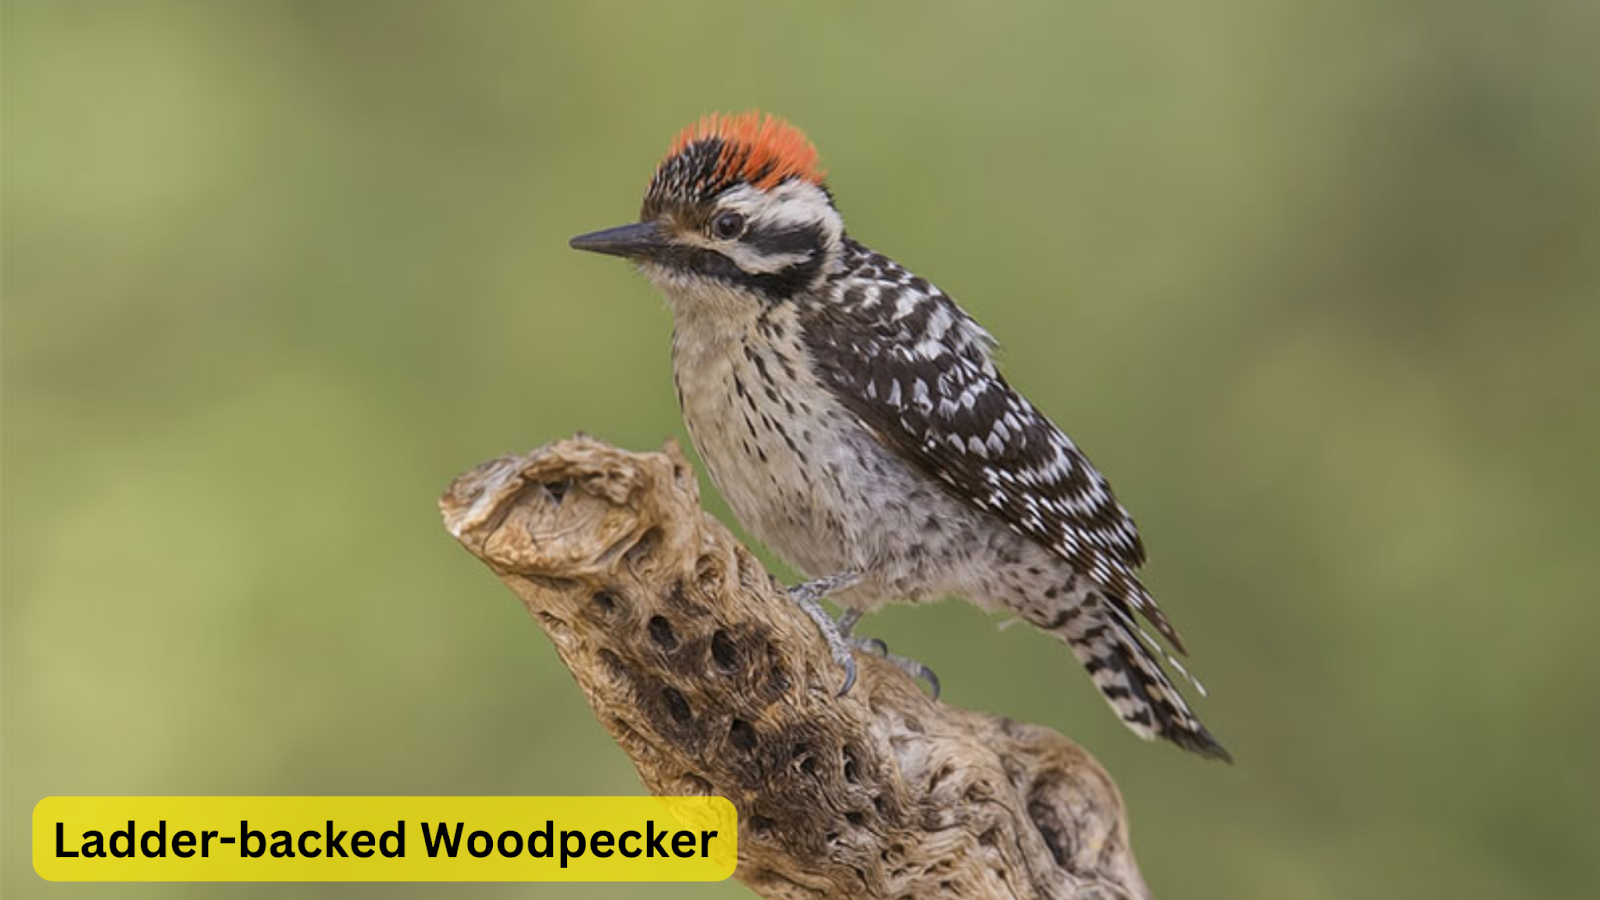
(779, 285)
(775, 241)
(806, 240)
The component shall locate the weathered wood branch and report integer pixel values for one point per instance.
(713, 682)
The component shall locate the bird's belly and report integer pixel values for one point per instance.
(788, 481)
(823, 494)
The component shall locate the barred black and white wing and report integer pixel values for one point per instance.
(916, 371)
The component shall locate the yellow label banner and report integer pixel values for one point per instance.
(385, 838)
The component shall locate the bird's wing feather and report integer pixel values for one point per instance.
(924, 385)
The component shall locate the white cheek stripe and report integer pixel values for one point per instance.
(753, 261)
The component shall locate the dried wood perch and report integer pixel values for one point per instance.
(713, 682)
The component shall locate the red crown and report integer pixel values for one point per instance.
(757, 148)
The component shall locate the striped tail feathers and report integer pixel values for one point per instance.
(1129, 676)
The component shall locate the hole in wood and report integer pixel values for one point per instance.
(741, 735)
(1048, 822)
(556, 491)
(723, 651)
(662, 634)
(804, 760)
(677, 707)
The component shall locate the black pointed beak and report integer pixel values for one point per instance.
(635, 241)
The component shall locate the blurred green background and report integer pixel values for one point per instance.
(1318, 285)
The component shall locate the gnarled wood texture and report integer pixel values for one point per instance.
(713, 682)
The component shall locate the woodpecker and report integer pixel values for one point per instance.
(852, 416)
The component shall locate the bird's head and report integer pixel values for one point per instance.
(738, 203)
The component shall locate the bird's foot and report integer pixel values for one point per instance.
(905, 664)
(838, 633)
(806, 595)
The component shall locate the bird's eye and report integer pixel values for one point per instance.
(728, 226)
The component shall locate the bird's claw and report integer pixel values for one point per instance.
(849, 664)
(875, 646)
(905, 664)
(837, 634)
(918, 671)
